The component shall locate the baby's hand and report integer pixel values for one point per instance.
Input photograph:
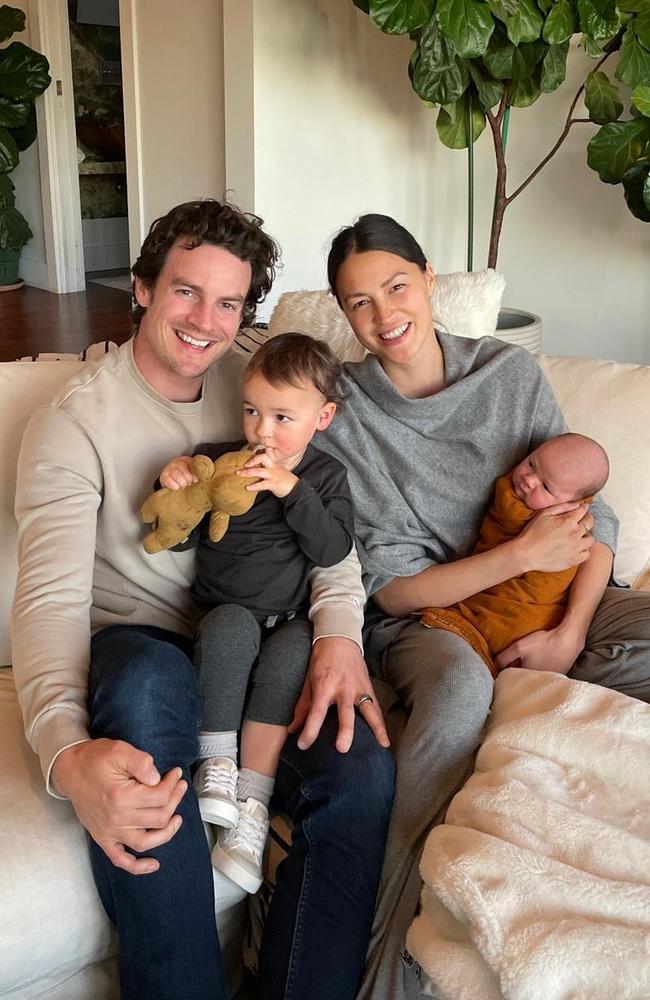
(276, 478)
(178, 473)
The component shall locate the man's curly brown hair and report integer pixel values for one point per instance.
(222, 225)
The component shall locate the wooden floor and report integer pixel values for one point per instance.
(34, 322)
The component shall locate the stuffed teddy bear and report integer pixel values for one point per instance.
(174, 513)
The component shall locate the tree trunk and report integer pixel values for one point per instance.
(500, 199)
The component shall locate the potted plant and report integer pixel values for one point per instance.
(477, 59)
(23, 76)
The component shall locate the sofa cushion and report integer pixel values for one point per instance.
(52, 921)
(23, 387)
(610, 401)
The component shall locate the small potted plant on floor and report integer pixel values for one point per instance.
(23, 76)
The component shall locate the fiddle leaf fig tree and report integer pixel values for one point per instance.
(23, 76)
(476, 59)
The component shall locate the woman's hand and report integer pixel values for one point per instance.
(555, 651)
(556, 539)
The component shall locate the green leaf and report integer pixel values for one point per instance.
(617, 147)
(13, 113)
(598, 18)
(631, 6)
(523, 93)
(554, 67)
(642, 28)
(526, 25)
(489, 91)
(591, 48)
(602, 100)
(399, 17)
(545, 5)
(7, 199)
(641, 99)
(468, 23)
(23, 72)
(505, 61)
(8, 151)
(634, 61)
(24, 135)
(452, 124)
(636, 187)
(363, 5)
(14, 230)
(11, 21)
(437, 74)
(560, 23)
(504, 8)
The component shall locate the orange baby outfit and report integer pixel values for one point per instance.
(493, 619)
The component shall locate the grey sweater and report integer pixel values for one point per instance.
(422, 471)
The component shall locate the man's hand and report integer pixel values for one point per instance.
(555, 651)
(120, 799)
(337, 675)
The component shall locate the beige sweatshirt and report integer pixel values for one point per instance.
(88, 461)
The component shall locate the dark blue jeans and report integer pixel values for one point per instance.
(142, 689)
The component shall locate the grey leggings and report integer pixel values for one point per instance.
(247, 669)
(446, 691)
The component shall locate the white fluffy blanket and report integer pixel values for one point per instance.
(537, 887)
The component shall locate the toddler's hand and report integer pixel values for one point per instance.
(276, 478)
(178, 473)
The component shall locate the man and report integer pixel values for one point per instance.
(102, 645)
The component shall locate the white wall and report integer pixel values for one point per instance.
(338, 131)
(180, 70)
(335, 132)
(26, 177)
(571, 250)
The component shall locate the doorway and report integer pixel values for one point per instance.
(58, 146)
(94, 27)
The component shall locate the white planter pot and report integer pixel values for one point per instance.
(516, 326)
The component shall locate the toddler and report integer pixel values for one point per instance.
(253, 645)
(567, 467)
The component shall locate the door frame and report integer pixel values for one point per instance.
(57, 144)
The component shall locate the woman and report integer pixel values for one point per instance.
(431, 421)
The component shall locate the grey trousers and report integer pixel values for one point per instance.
(245, 669)
(446, 689)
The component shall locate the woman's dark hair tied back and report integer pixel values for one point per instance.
(220, 224)
(372, 232)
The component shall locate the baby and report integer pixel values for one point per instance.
(254, 642)
(565, 468)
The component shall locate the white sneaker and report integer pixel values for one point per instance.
(238, 852)
(216, 786)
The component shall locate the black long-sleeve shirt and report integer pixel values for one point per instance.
(263, 560)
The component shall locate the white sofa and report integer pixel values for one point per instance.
(55, 940)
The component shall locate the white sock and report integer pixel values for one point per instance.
(218, 745)
(253, 785)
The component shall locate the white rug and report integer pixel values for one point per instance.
(121, 281)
